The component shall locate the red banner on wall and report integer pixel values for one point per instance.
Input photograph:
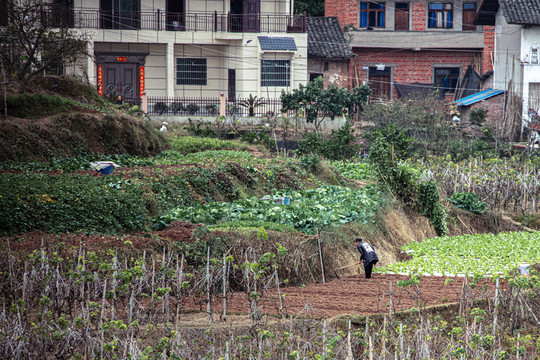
(141, 81)
(100, 80)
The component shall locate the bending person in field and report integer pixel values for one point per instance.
(367, 254)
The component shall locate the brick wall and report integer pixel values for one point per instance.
(419, 16)
(495, 107)
(409, 66)
(345, 10)
(489, 49)
(337, 73)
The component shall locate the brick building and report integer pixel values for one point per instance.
(405, 42)
(329, 54)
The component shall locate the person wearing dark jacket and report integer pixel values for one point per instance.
(367, 254)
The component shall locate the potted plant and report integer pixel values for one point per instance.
(251, 103)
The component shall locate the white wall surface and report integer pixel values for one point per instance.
(531, 72)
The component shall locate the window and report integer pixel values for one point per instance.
(446, 78)
(371, 14)
(191, 71)
(313, 76)
(440, 16)
(534, 53)
(275, 72)
(325, 66)
(469, 13)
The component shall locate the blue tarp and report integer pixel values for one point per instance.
(474, 98)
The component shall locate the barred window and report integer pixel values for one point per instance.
(275, 72)
(191, 71)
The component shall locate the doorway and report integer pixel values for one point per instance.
(245, 15)
(121, 79)
(402, 17)
(379, 82)
(176, 15)
(232, 85)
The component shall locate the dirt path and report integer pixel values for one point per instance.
(361, 296)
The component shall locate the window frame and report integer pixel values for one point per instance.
(446, 19)
(453, 77)
(366, 9)
(469, 26)
(274, 78)
(195, 76)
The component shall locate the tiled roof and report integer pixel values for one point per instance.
(523, 12)
(277, 43)
(325, 39)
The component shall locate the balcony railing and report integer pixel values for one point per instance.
(192, 106)
(159, 20)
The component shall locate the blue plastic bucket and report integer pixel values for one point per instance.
(108, 170)
(287, 200)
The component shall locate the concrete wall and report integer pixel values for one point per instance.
(530, 37)
(326, 126)
(507, 53)
(223, 50)
(221, 6)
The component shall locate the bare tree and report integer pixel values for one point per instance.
(33, 40)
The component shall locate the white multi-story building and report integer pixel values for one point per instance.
(517, 48)
(190, 48)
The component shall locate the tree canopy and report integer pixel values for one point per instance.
(34, 41)
(319, 103)
(311, 7)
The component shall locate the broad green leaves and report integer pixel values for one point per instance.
(484, 254)
(324, 206)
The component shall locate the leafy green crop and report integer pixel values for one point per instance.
(468, 201)
(354, 170)
(76, 163)
(484, 254)
(324, 206)
(191, 144)
(66, 203)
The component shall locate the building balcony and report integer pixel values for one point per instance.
(417, 40)
(165, 21)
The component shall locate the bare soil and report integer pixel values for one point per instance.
(357, 295)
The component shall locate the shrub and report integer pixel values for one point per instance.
(177, 107)
(211, 109)
(161, 108)
(310, 142)
(339, 146)
(259, 138)
(478, 116)
(201, 129)
(311, 162)
(192, 109)
(468, 201)
(35, 105)
(431, 206)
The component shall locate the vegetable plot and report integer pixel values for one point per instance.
(474, 255)
(324, 206)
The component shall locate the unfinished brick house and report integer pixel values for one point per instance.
(419, 43)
